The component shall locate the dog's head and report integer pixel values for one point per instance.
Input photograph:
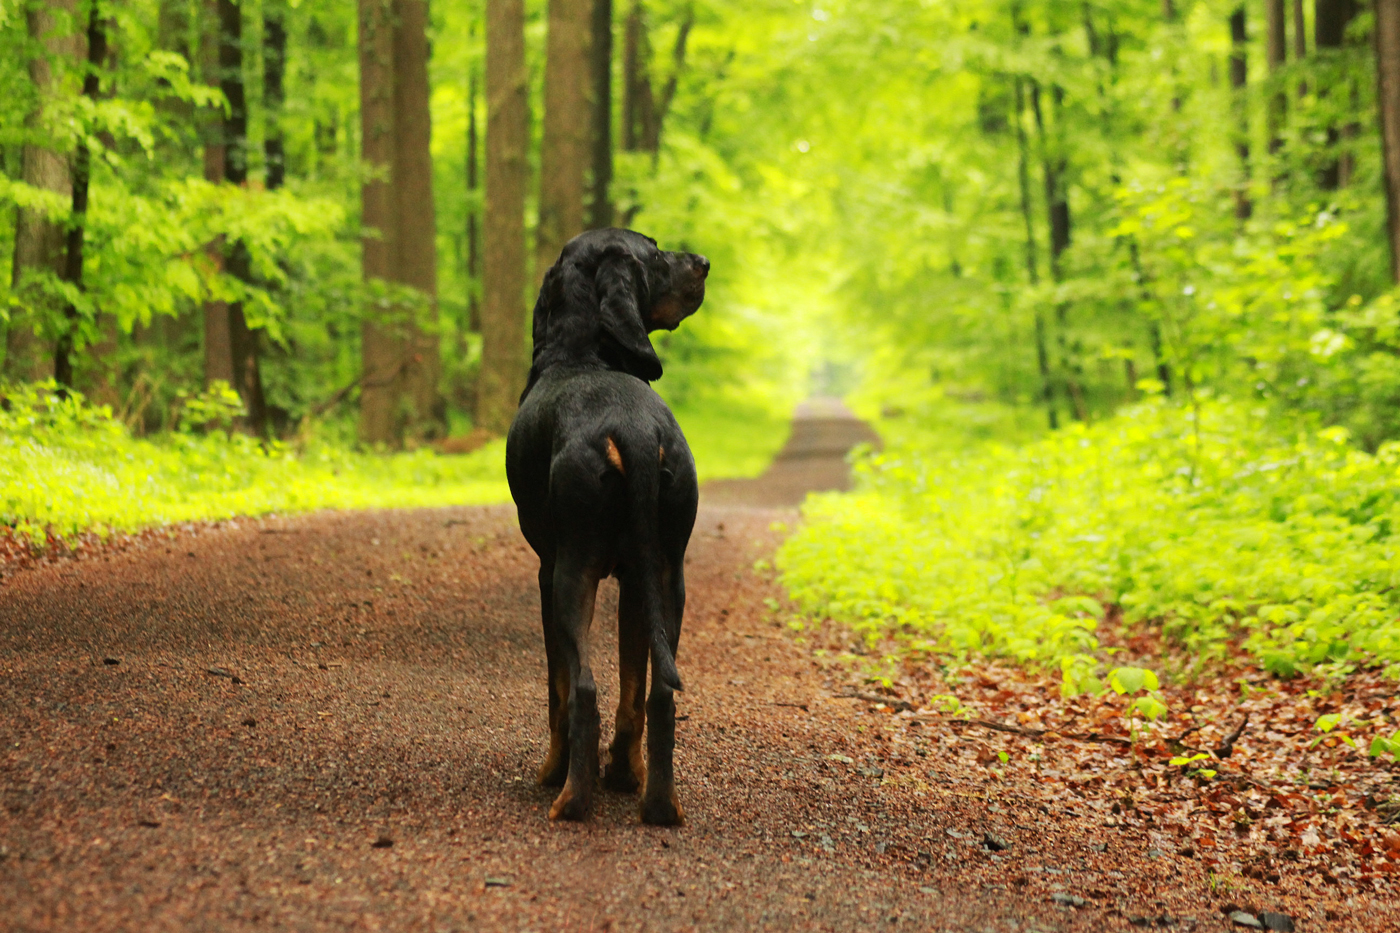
(607, 291)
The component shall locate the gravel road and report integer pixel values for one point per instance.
(332, 721)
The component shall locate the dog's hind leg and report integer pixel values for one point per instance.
(575, 589)
(626, 769)
(660, 805)
(556, 763)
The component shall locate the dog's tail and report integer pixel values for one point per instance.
(643, 477)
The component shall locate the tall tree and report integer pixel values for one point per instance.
(600, 209)
(39, 239)
(1023, 177)
(507, 174)
(564, 149)
(218, 346)
(382, 346)
(1239, 78)
(1388, 102)
(1276, 53)
(1055, 164)
(274, 93)
(243, 341)
(638, 103)
(473, 211)
(1330, 28)
(81, 176)
(415, 239)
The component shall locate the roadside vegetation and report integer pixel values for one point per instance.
(68, 468)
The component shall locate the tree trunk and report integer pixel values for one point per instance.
(600, 211)
(415, 239)
(382, 347)
(1276, 53)
(82, 167)
(1023, 176)
(39, 240)
(638, 104)
(1331, 18)
(218, 349)
(1300, 41)
(243, 343)
(274, 94)
(1239, 77)
(564, 150)
(507, 174)
(473, 230)
(1388, 103)
(1055, 165)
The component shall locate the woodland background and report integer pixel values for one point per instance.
(1115, 281)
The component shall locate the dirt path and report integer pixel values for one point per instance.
(332, 721)
(812, 460)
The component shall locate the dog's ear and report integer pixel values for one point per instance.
(621, 286)
(540, 325)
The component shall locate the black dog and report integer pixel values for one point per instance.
(604, 484)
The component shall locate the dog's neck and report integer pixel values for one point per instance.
(576, 342)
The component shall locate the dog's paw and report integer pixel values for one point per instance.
(569, 805)
(619, 777)
(555, 769)
(662, 810)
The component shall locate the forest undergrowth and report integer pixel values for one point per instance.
(70, 470)
(1182, 618)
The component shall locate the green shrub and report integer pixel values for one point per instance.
(1212, 526)
(67, 467)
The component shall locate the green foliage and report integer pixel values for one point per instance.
(1188, 763)
(67, 467)
(1383, 746)
(1213, 525)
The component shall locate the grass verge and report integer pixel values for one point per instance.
(68, 468)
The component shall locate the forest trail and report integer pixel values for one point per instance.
(333, 720)
(813, 460)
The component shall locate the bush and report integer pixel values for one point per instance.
(1208, 525)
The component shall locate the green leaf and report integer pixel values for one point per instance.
(1126, 680)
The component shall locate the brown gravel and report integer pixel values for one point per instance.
(332, 721)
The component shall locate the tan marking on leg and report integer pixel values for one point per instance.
(661, 455)
(614, 457)
(560, 808)
(552, 772)
(626, 767)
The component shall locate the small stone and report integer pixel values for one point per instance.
(383, 842)
(1240, 918)
(995, 842)
(1067, 900)
(497, 883)
(111, 660)
(1280, 922)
